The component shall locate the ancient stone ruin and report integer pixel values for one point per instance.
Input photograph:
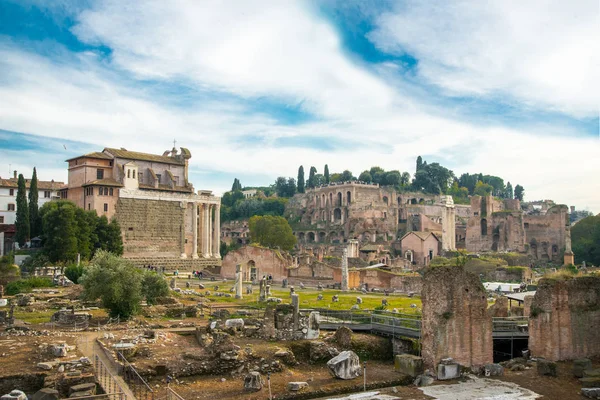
(565, 319)
(455, 322)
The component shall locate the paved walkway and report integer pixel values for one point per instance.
(87, 344)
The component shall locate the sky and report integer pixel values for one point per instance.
(254, 89)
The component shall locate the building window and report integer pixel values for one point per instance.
(12, 192)
(11, 207)
(133, 174)
(111, 191)
(46, 194)
(158, 177)
(100, 191)
(105, 207)
(99, 174)
(128, 173)
(1, 219)
(89, 206)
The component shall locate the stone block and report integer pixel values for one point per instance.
(86, 393)
(46, 394)
(493, 370)
(14, 395)
(448, 370)
(296, 386)
(236, 323)
(253, 382)
(581, 365)
(546, 367)
(45, 366)
(423, 380)
(345, 365)
(590, 382)
(591, 373)
(408, 364)
(592, 393)
(83, 387)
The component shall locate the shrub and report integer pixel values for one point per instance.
(25, 285)
(153, 287)
(74, 272)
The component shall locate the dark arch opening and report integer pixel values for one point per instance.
(483, 227)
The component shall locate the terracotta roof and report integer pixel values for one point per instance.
(134, 155)
(104, 182)
(42, 185)
(421, 235)
(95, 154)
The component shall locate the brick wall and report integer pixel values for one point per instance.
(150, 227)
(565, 319)
(455, 319)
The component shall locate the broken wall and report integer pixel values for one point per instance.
(565, 318)
(455, 320)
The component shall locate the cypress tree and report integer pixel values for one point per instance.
(419, 163)
(326, 173)
(35, 228)
(301, 179)
(22, 222)
(311, 177)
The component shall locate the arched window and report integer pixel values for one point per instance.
(337, 214)
(339, 198)
(348, 197)
(483, 227)
(323, 200)
(311, 237)
(408, 255)
(385, 200)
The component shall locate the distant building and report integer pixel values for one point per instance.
(249, 193)
(164, 222)
(47, 190)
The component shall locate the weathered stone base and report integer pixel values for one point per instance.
(173, 263)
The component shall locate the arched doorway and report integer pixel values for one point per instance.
(251, 269)
(311, 237)
(408, 254)
(339, 198)
(337, 214)
(483, 227)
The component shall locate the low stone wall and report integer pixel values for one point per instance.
(28, 383)
(565, 319)
(455, 321)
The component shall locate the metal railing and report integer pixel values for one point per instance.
(138, 386)
(172, 395)
(107, 380)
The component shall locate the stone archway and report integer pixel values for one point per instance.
(311, 237)
(337, 214)
(251, 271)
(408, 254)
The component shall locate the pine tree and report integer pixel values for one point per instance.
(509, 191)
(311, 177)
(35, 222)
(326, 173)
(301, 179)
(519, 192)
(236, 185)
(419, 164)
(22, 222)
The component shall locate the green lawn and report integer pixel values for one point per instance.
(308, 298)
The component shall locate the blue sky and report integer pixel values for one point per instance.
(256, 88)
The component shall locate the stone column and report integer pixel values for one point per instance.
(238, 281)
(448, 224)
(195, 230)
(345, 269)
(217, 232)
(211, 207)
(296, 311)
(205, 232)
(182, 238)
(1, 243)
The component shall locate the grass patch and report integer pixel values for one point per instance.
(33, 317)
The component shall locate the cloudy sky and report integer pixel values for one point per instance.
(256, 88)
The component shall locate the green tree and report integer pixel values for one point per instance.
(469, 181)
(319, 180)
(519, 192)
(311, 177)
(86, 232)
(22, 222)
(347, 176)
(326, 174)
(419, 164)
(585, 239)
(74, 272)
(60, 230)
(153, 287)
(301, 179)
(458, 193)
(405, 179)
(271, 231)
(374, 170)
(35, 223)
(483, 189)
(115, 281)
(392, 178)
(236, 185)
(433, 178)
(114, 240)
(497, 184)
(508, 193)
(365, 176)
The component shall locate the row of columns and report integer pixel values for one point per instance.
(206, 222)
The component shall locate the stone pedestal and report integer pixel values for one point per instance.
(408, 364)
(345, 270)
(238, 281)
(296, 311)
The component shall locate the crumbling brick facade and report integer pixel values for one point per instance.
(565, 319)
(455, 320)
(256, 262)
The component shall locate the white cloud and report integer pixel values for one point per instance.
(287, 55)
(541, 53)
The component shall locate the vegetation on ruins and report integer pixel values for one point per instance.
(74, 272)
(115, 281)
(301, 179)
(311, 178)
(68, 230)
(26, 285)
(519, 192)
(286, 187)
(272, 232)
(235, 206)
(585, 239)
(326, 174)
(433, 179)
(37, 260)
(22, 221)
(35, 223)
(153, 287)
(8, 271)
(226, 248)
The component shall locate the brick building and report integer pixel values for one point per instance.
(164, 221)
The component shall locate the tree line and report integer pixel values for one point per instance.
(28, 223)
